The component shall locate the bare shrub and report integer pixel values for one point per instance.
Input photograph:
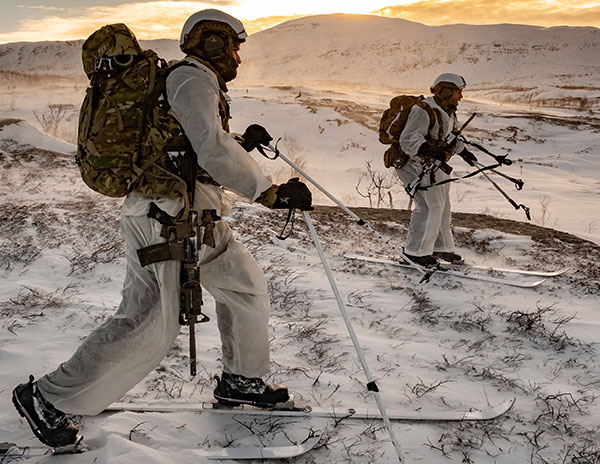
(52, 117)
(426, 311)
(30, 298)
(541, 327)
(105, 253)
(377, 186)
(482, 245)
(316, 344)
(286, 298)
(421, 389)
(465, 437)
(476, 319)
(544, 217)
(22, 251)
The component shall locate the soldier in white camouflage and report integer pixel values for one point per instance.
(130, 344)
(430, 235)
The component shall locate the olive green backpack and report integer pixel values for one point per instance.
(392, 124)
(125, 130)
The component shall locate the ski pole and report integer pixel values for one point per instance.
(518, 182)
(425, 273)
(510, 200)
(499, 159)
(371, 385)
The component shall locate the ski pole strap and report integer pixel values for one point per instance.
(289, 221)
(261, 149)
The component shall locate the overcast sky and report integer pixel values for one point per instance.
(35, 20)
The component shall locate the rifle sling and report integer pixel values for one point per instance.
(454, 179)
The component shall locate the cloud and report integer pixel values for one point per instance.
(535, 12)
(149, 20)
(164, 18)
(41, 7)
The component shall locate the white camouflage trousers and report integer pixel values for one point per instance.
(429, 228)
(132, 342)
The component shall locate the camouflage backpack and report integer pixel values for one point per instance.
(125, 130)
(392, 124)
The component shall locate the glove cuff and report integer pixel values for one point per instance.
(268, 197)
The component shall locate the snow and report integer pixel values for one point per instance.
(448, 344)
(25, 134)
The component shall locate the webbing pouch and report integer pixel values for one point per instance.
(173, 250)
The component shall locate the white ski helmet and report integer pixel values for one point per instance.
(213, 16)
(448, 80)
(212, 35)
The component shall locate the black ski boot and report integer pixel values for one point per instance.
(51, 426)
(234, 390)
(427, 261)
(451, 257)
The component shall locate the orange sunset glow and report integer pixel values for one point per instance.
(163, 18)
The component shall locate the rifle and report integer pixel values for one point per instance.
(431, 168)
(191, 291)
(183, 244)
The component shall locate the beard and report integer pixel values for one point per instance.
(227, 68)
(448, 106)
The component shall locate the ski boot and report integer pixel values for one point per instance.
(236, 390)
(449, 256)
(426, 261)
(51, 426)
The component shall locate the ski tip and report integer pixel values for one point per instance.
(501, 409)
(269, 452)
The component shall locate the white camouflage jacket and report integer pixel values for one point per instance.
(193, 94)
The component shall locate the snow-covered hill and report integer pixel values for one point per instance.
(555, 66)
(386, 52)
(55, 58)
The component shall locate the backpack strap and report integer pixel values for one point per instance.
(434, 115)
(224, 109)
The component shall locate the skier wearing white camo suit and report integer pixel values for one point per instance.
(128, 346)
(429, 235)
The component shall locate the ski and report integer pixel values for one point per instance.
(451, 272)
(417, 415)
(10, 452)
(504, 270)
(510, 270)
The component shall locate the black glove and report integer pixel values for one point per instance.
(255, 136)
(428, 150)
(293, 194)
(469, 157)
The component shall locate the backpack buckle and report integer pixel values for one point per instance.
(103, 64)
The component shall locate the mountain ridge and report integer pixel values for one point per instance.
(557, 65)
